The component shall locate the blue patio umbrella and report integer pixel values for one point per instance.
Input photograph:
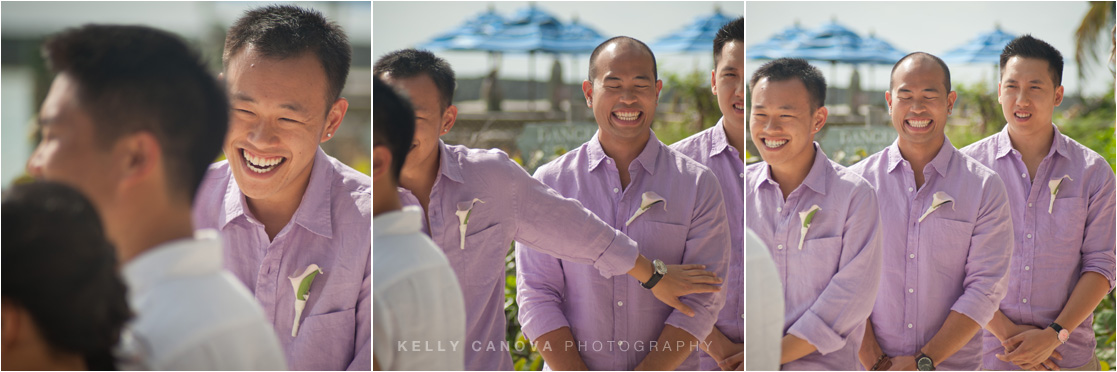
(777, 45)
(697, 36)
(879, 51)
(469, 34)
(985, 48)
(835, 43)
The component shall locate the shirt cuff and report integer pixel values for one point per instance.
(699, 326)
(538, 320)
(979, 308)
(618, 258)
(814, 330)
(1106, 272)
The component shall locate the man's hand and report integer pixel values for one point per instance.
(903, 363)
(683, 280)
(735, 362)
(1030, 348)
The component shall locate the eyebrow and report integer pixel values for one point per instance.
(784, 107)
(638, 77)
(241, 96)
(1033, 81)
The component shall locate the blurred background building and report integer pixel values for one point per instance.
(25, 79)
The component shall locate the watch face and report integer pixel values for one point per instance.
(924, 364)
(660, 267)
(1064, 335)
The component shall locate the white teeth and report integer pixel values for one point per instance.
(260, 164)
(739, 106)
(919, 123)
(773, 143)
(1023, 115)
(627, 116)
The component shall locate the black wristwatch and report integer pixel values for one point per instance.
(660, 270)
(924, 363)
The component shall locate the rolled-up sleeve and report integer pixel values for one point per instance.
(1099, 241)
(707, 243)
(545, 219)
(991, 244)
(848, 298)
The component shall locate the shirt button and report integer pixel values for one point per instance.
(909, 325)
(780, 246)
(1027, 268)
(1029, 236)
(620, 303)
(615, 190)
(911, 290)
(1029, 205)
(1025, 300)
(910, 189)
(911, 255)
(1023, 175)
(742, 175)
(608, 161)
(779, 209)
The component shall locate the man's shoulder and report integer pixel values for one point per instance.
(984, 150)
(1083, 156)
(355, 196)
(976, 169)
(849, 179)
(695, 145)
(485, 163)
(868, 163)
(407, 257)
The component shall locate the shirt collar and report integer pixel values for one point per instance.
(399, 222)
(941, 162)
(197, 255)
(1003, 144)
(816, 177)
(719, 142)
(314, 209)
(448, 165)
(646, 159)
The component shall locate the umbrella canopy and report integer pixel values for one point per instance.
(883, 51)
(574, 38)
(528, 31)
(469, 34)
(778, 45)
(836, 43)
(698, 36)
(985, 48)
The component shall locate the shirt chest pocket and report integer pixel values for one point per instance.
(660, 240)
(325, 341)
(1062, 234)
(947, 243)
(484, 253)
(819, 257)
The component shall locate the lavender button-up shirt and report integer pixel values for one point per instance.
(831, 281)
(1055, 242)
(956, 258)
(615, 320)
(711, 148)
(512, 206)
(330, 228)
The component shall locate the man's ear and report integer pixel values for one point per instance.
(658, 88)
(950, 99)
(819, 119)
(1059, 95)
(334, 118)
(381, 162)
(449, 118)
(587, 91)
(888, 100)
(714, 81)
(139, 155)
(10, 327)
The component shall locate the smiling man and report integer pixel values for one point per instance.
(285, 208)
(669, 204)
(819, 220)
(947, 232)
(478, 201)
(1062, 198)
(722, 149)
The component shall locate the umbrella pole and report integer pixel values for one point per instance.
(531, 81)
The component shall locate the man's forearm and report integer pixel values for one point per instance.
(955, 332)
(668, 355)
(999, 325)
(556, 347)
(715, 344)
(643, 269)
(1084, 298)
(870, 349)
(792, 348)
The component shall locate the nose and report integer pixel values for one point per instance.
(262, 132)
(35, 164)
(1022, 100)
(628, 97)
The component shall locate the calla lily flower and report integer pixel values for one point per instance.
(464, 210)
(1054, 186)
(301, 285)
(647, 200)
(937, 201)
(806, 217)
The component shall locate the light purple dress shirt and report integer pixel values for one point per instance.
(1053, 248)
(616, 319)
(831, 281)
(956, 259)
(512, 206)
(330, 228)
(711, 148)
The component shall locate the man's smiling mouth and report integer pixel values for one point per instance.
(261, 164)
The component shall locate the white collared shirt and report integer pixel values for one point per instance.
(190, 314)
(418, 318)
(764, 305)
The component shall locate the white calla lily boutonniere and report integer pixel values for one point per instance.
(464, 210)
(939, 199)
(806, 217)
(301, 285)
(647, 200)
(1054, 186)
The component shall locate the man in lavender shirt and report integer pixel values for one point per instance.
(947, 232)
(478, 201)
(1062, 199)
(284, 207)
(722, 149)
(819, 220)
(667, 202)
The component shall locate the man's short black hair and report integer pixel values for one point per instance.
(393, 123)
(409, 63)
(59, 266)
(788, 68)
(135, 78)
(284, 31)
(621, 39)
(1029, 47)
(939, 61)
(732, 31)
